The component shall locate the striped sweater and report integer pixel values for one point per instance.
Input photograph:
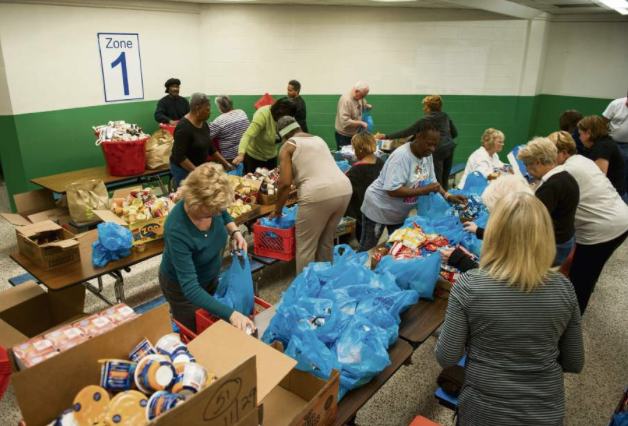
(228, 129)
(518, 346)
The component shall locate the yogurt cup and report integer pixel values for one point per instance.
(116, 374)
(90, 405)
(144, 348)
(161, 402)
(154, 373)
(167, 344)
(66, 419)
(127, 409)
(191, 379)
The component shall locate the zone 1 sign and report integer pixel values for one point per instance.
(121, 66)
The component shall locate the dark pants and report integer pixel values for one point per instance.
(372, 232)
(623, 148)
(181, 308)
(442, 167)
(178, 174)
(342, 140)
(250, 163)
(587, 265)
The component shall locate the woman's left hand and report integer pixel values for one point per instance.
(458, 199)
(239, 242)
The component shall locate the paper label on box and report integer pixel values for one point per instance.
(72, 333)
(42, 345)
(101, 322)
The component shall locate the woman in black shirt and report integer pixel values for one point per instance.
(192, 141)
(602, 149)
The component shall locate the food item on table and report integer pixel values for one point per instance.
(94, 325)
(66, 337)
(191, 379)
(238, 209)
(90, 405)
(119, 314)
(119, 131)
(117, 375)
(154, 373)
(127, 409)
(140, 205)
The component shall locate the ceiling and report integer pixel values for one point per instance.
(564, 7)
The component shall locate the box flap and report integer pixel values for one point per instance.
(67, 303)
(58, 380)
(125, 192)
(281, 406)
(272, 366)
(34, 201)
(37, 228)
(10, 336)
(15, 219)
(63, 244)
(108, 216)
(17, 295)
(57, 214)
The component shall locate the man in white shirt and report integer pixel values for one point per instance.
(616, 116)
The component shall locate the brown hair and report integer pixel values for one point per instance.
(433, 102)
(564, 142)
(595, 125)
(568, 120)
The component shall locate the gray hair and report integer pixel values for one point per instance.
(224, 103)
(198, 100)
(362, 86)
(501, 187)
(284, 122)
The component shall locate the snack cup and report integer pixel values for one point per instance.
(116, 374)
(191, 379)
(143, 349)
(127, 409)
(181, 355)
(90, 405)
(154, 373)
(161, 402)
(168, 343)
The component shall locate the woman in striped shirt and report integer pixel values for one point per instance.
(228, 128)
(518, 320)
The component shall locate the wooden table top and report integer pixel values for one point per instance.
(57, 183)
(422, 319)
(355, 399)
(79, 272)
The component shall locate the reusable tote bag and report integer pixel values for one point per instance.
(84, 198)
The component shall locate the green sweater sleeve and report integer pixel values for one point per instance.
(255, 128)
(188, 279)
(226, 217)
(259, 139)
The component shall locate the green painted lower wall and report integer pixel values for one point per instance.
(42, 144)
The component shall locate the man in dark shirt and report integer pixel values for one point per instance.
(294, 88)
(171, 108)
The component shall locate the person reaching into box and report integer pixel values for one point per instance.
(195, 234)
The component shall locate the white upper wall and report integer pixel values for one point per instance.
(5, 99)
(52, 59)
(587, 59)
(258, 48)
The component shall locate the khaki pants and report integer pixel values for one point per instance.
(316, 224)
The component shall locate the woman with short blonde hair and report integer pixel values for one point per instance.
(195, 234)
(485, 159)
(363, 144)
(492, 137)
(517, 320)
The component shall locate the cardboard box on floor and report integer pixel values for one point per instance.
(62, 251)
(36, 206)
(144, 231)
(248, 370)
(27, 311)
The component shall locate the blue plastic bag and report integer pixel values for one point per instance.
(368, 119)
(238, 171)
(418, 274)
(286, 221)
(349, 255)
(235, 288)
(433, 205)
(114, 243)
(312, 355)
(343, 165)
(476, 183)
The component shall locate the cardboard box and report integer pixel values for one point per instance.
(36, 206)
(48, 255)
(248, 370)
(144, 231)
(27, 311)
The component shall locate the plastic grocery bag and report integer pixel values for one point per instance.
(283, 325)
(349, 255)
(235, 288)
(417, 274)
(311, 354)
(476, 183)
(286, 221)
(433, 205)
(238, 171)
(343, 165)
(114, 243)
(368, 118)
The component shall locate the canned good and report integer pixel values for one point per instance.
(127, 409)
(141, 350)
(191, 379)
(154, 373)
(161, 402)
(90, 405)
(117, 375)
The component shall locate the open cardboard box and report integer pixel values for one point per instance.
(36, 206)
(144, 231)
(27, 311)
(248, 371)
(64, 250)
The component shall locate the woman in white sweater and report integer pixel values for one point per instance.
(485, 158)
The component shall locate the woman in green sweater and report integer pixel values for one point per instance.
(195, 234)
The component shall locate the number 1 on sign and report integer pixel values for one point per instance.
(121, 60)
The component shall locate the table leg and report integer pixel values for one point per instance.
(352, 422)
(118, 286)
(98, 292)
(164, 191)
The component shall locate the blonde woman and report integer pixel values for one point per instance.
(195, 234)
(518, 322)
(485, 159)
(444, 153)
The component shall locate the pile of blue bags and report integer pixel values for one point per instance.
(286, 221)
(114, 243)
(341, 317)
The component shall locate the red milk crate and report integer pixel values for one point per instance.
(273, 242)
(185, 333)
(125, 158)
(204, 319)
(5, 371)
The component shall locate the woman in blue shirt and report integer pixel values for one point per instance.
(195, 234)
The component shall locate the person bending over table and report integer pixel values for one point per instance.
(195, 234)
(260, 143)
(556, 189)
(228, 128)
(192, 140)
(173, 107)
(602, 149)
(518, 322)
(323, 191)
(443, 156)
(392, 196)
(485, 159)
(362, 174)
(601, 218)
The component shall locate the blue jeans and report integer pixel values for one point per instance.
(623, 148)
(372, 232)
(178, 173)
(563, 250)
(342, 140)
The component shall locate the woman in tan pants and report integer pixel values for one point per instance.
(324, 191)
